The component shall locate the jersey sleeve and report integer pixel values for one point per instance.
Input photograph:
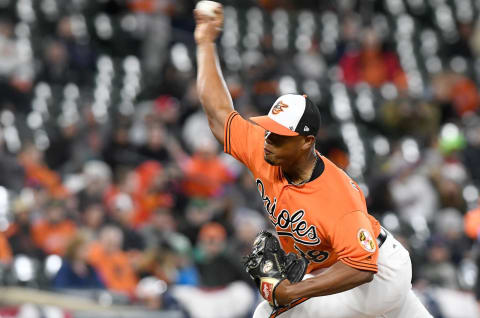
(244, 140)
(354, 242)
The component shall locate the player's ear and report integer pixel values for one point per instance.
(309, 141)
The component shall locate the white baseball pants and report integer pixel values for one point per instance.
(388, 295)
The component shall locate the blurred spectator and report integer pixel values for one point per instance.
(162, 231)
(157, 33)
(37, 171)
(60, 151)
(449, 178)
(16, 69)
(167, 108)
(371, 63)
(81, 54)
(438, 270)
(97, 179)
(93, 218)
(187, 271)
(89, 141)
(56, 66)
(111, 262)
(12, 172)
(155, 148)
(75, 271)
(197, 213)
(449, 225)
(196, 132)
(20, 232)
(310, 63)
(412, 193)
(471, 153)
(158, 230)
(5, 251)
(122, 215)
(248, 190)
(248, 224)
(404, 116)
(472, 223)
(172, 262)
(154, 191)
(142, 191)
(205, 174)
(118, 150)
(53, 232)
(216, 267)
(8, 49)
(457, 94)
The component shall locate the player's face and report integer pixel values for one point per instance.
(279, 150)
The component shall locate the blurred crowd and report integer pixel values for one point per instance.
(111, 179)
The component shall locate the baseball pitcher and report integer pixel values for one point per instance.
(355, 268)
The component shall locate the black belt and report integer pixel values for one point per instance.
(382, 236)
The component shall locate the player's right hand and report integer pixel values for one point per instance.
(208, 27)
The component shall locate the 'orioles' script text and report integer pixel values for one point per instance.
(295, 226)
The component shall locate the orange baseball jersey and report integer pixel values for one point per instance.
(325, 220)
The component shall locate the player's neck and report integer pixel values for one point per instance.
(301, 170)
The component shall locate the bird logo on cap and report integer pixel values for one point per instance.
(278, 108)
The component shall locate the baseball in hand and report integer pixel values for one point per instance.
(207, 7)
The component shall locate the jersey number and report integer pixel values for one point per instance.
(313, 255)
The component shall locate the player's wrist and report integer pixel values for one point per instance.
(284, 293)
(205, 43)
(291, 292)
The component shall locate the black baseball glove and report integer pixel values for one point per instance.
(268, 265)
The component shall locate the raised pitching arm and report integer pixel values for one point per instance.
(212, 90)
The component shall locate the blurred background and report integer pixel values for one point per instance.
(116, 201)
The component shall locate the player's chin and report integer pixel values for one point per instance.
(269, 158)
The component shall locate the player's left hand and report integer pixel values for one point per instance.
(274, 271)
(282, 295)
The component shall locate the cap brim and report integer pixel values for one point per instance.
(271, 125)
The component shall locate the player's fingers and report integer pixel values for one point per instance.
(218, 18)
(219, 13)
(199, 17)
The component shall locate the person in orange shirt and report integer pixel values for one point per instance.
(151, 192)
(146, 187)
(54, 232)
(465, 96)
(205, 174)
(472, 223)
(358, 268)
(5, 251)
(111, 262)
(36, 171)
